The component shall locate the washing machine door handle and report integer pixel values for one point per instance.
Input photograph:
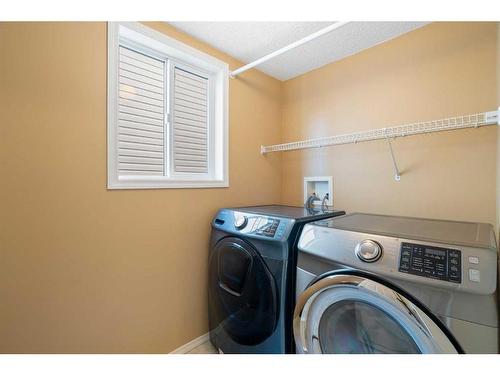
(227, 289)
(233, 276)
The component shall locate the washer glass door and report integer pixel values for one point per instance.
(243, 296)
(345, 314)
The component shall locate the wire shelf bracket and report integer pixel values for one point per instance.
(397, 176)
(453, 123)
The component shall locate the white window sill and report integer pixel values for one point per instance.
(167, 184)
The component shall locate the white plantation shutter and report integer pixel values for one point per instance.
(141, 114)
(190, 122)
(167, 112)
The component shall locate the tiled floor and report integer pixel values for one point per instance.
(205, 348)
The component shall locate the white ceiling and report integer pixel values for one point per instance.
(248, 41)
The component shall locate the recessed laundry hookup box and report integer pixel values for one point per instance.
(321, 185)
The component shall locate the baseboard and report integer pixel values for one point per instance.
(186, 348)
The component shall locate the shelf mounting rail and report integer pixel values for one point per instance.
(287, 48)
(453, 123)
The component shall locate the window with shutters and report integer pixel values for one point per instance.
(167, 112)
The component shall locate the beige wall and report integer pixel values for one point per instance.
(440, 70)
(83, 269)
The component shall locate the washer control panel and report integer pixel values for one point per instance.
(266, 226)
(430, 261)
(254, 225)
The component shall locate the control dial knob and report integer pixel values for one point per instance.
(240, 222)
(368, 251)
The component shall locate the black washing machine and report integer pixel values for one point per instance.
(252, 276)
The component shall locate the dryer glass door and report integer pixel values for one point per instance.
(345, 313)
(361, 327)
(243, 296)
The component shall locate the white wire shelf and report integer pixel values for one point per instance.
(461, 122)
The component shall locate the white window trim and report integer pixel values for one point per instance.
(135, 32)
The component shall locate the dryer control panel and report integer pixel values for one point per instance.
(444, 265)
(430, 261)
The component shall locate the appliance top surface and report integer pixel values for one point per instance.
(300, 214)
(451, 232)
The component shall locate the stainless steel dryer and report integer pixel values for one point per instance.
(384, 284)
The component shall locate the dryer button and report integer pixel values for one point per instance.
(473, 260)
(368, 251)
(474, 275)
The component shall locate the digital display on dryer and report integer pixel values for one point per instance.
(433, 252)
